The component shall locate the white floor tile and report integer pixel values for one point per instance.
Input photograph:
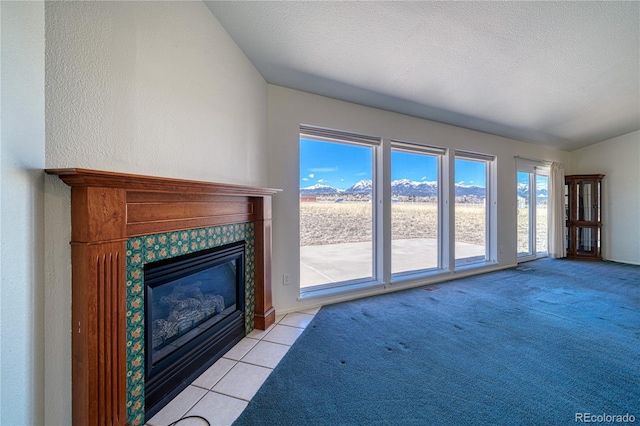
(311, 311)
(177, 408)
(259, 334)
(193, 422)
(241, 348)
(296, 319)
(218, 409)
(230, 379)
(283, 334)
(216, 372)
(266, 354)
(243, 381)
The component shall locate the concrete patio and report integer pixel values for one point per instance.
(324, 264)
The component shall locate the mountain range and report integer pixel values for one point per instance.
(523, 191)
(410, 188)
(402, 187)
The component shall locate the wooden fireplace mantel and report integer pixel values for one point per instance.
(107, 208)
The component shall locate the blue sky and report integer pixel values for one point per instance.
(341, 165)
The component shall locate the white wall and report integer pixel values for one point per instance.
(154, 88)
(619, 160)
(288, 108)
(22, 182)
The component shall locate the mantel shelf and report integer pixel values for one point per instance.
(87, 177)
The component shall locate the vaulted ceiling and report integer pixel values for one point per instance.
(565, 74)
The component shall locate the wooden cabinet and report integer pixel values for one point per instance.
(583, 196)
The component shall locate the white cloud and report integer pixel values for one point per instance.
(324, 169)
(311, 175)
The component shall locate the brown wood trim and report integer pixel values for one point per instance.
(86, 177)
(264, 312)
(107, 208)
(97, 214)
(137, 213)
(585, 177)
(154, 227)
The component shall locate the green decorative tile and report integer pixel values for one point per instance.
(150, 248)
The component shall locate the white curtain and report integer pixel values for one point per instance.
(556, 236)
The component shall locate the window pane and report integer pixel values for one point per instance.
(470, 211)
(524, 214)
(542, 191)
(336, 212)
(414, 211)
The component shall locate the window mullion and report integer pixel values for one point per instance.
(449, 215)
(532, 213)
(383, 213)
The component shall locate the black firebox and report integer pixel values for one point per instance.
(194, 313)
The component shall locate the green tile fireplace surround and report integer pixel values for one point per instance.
(119, 223)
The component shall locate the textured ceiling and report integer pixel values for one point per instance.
(565, 74)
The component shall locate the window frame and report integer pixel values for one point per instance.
(534, 169)
(490, 237)
(381, 199)
(439, 153)
(321, 134)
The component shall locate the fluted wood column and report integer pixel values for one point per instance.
(98, 306)
(265, 314)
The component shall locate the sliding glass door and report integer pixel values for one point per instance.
(532, 201)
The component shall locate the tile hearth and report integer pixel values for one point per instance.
(222, 392)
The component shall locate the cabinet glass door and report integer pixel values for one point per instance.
(587, 243)
(586, 201)
(582, 214)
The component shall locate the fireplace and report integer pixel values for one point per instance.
(119, 224)
(194, 313)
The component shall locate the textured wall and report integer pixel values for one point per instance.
(618, 159)
(152, 88)
(155, 88)
(21, 178)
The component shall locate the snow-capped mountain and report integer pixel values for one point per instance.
(412, 188)
(402, 187)
(319, 189)
(523, 191)
(362, 187)
(470, 191)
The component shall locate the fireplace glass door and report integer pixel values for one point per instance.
(194, 313)
(184, 308)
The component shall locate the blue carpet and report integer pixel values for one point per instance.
(514, 347)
